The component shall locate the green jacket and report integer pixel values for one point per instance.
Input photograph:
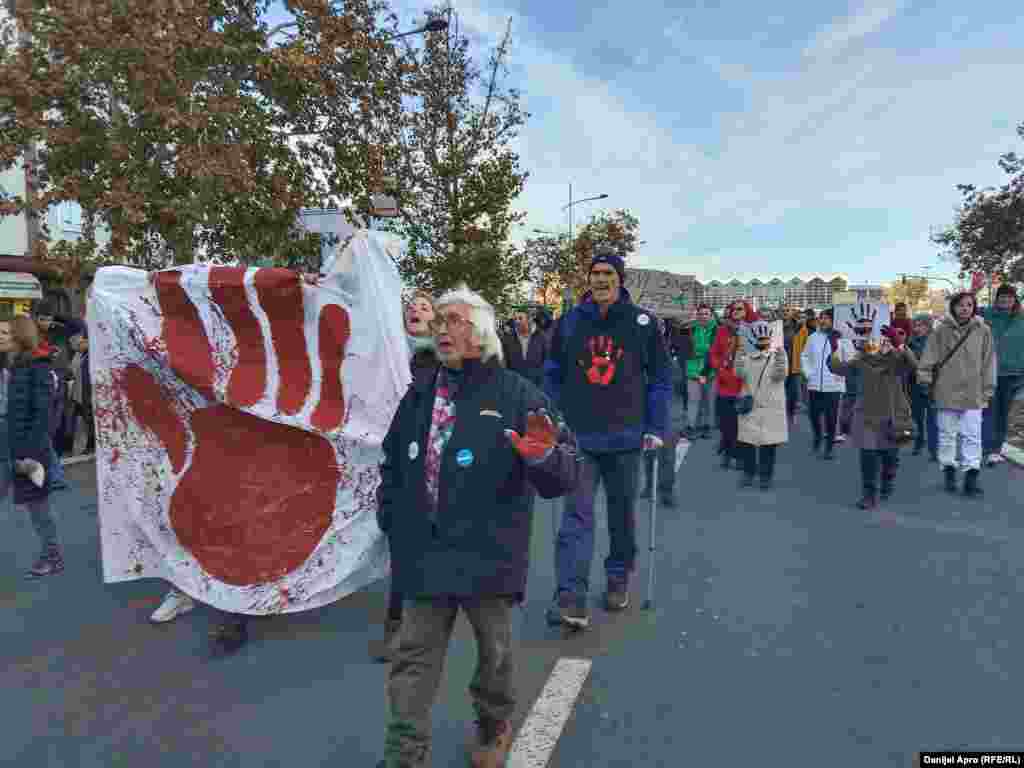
(1008, 333)
(703, 337)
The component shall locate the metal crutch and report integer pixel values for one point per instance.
(649, 602)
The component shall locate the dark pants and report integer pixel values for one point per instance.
(925, 420)
(85, 419)
(728, 424)
(759, 460)
(824, 407)
(666, 469)
(995, 420)
(574, 547)
(870, 462)
(792, 393)
(418, 665)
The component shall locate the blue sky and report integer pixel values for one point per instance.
(785, 138)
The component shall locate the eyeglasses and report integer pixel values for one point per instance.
(451, 321)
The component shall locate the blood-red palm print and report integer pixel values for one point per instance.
(253, 497)
(604, 357)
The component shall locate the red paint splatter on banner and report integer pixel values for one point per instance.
(249, 376)
(152, 408)
(187, 343)
(335, 330)
(257, 498)
(280, 295)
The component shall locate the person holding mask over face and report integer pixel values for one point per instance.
(25, 393)
(957, 370)
(881, 406)
(419, 314)
(765, 427)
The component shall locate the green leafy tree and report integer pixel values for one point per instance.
(182, 127)
(448, 160)
(988, 234)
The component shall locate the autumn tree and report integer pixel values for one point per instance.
(988, 233)
(447, 158)
(559, 264)
(186, 128)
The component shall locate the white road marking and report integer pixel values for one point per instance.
(537, 739)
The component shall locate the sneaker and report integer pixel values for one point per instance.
(491, 744)
(868, 502)
(48, 564)
(994, 458)
(971, 487)
(840, 439)
(569, 610)
(175, 604)
(949, 476)
(705, 434)
(617, 596)
(767, 484)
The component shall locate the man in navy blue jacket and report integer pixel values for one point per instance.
(608, 372)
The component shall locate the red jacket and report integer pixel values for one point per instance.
(723, 353)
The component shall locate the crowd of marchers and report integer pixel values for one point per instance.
(558, 408)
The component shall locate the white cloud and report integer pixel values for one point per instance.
(836, 36)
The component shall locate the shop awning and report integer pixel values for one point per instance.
(19, 285)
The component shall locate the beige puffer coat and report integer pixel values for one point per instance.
(767, 423)
(967, 381)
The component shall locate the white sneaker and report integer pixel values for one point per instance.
(840, 438)
(174, 604)
(994, 458)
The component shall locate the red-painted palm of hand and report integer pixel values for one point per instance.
(258, 496)
(603, 357)
(541, 435)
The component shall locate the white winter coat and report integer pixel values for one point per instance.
(814, 363)
(767, 424)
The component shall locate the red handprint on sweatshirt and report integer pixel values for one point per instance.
(257, 496)
(604, 356)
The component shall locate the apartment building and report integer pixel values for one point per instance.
(668, 294)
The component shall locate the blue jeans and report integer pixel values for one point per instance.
(55, 477)
(574, 548)
(995, 420)
(925, 420)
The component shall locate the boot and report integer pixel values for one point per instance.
(971, 487)
(230, 635)
(382, 649)
(490, 747)
(48, 563)
(949, 474)
(869, 501)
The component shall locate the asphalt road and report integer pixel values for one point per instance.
(789, 628)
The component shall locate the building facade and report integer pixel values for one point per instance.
(672, 295)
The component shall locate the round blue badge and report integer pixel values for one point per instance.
(464, 457)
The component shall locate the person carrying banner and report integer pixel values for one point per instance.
(467, 448)
(25, 393)
(419, 314)
(957, 370)
(609, 374)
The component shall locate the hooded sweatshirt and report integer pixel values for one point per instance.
(723, 353)
(967, 380)
(610, 376)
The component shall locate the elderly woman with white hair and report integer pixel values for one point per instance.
(467, 447)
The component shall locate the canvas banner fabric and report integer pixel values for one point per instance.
(861, 321)
(240, 415)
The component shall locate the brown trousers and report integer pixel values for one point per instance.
(417, 667)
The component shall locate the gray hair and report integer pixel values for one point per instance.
(481, 314)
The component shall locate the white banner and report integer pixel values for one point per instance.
(858, 322)
(240, 415)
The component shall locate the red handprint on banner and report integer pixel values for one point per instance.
(604, 356)
(257, 496)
